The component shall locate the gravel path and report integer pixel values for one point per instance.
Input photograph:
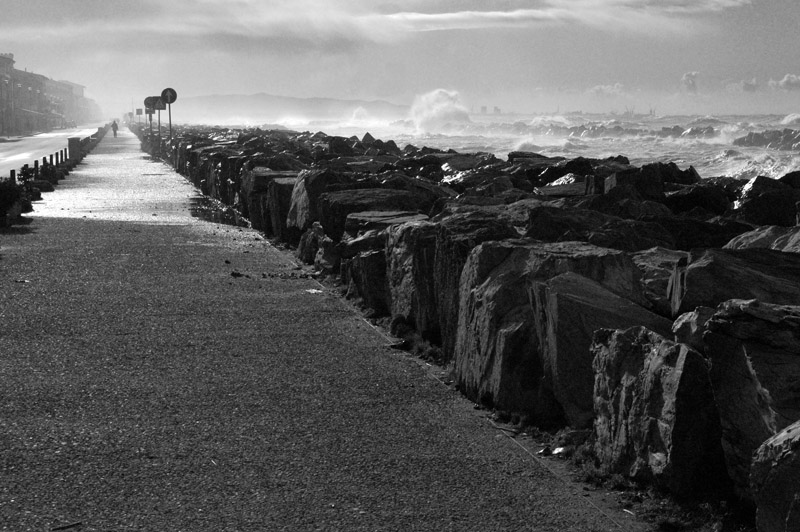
(159, 372)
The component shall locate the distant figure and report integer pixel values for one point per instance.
(114, 127)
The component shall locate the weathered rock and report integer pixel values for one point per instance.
(744, 406)
(498, 354)
(624, 202)
(308, 187)
(775, 237)
(371, 240)
(770, 335)
(708, 197)
(690, 233)
(277, 203)
(334, 207)
(365, 278)
(358, 222)
(767, 201)
(456, 236)
(254, 187)
(569, 308)
(656, 266)
(630, 235)
(690, 327)
(656, 419)
(553, 224)
(716, 275)
(775, 482)
(410, 252)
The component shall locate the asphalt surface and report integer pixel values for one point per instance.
(159, 372)
(18, 151)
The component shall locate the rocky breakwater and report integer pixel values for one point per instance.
(644, 304)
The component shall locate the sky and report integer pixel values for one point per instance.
(531, 56)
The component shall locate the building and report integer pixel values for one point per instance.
(31, 103)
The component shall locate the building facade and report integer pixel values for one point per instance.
(31, 103)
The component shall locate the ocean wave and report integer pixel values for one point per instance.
(791, 120)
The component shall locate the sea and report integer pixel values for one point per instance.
(707, 142)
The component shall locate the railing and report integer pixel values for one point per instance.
(61, 162)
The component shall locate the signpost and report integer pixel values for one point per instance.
(149, 106)
(169, 95)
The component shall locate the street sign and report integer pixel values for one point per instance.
(160, 105)
(138, 112)
(150, 101)
(169, 95)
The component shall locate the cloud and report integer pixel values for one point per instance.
(614, 90)
(644, 16)
(790, 82)
(689, 82)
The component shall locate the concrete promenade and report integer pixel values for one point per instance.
(159, 372)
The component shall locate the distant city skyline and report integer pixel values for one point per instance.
(674, 56)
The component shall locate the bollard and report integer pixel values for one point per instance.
(74, 149)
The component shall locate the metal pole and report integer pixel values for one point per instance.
(169, 107)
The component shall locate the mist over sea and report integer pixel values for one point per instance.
(439, 120)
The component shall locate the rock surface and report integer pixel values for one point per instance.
(775, 478)
(498, 357)
(656, 418)
(716, 275)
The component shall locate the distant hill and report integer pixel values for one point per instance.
(263, 108)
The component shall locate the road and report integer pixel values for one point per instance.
(17, 151)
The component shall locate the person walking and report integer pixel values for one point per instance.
(114, 127)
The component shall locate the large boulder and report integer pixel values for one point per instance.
(364, 277)
(690, 233)
(254, 188)
(775, 482)
(499, 357)
(334, 207)
(569, 308)
(709, 198)
(456, 237)
(656, 265)
(716, 275)
(308, 187)
(277, 204)
(769, 237)
(767, 201)
(360, 222)
(656, 418)
(770, 335)
(410, 252)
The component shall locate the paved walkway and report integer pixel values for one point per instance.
(163, 373)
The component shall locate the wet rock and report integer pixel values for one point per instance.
(624, 202)
(499, 357)
(716, 275)
(569, 308)
(775, 481)
(410, 252)
(656, 418)
(775, 237)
